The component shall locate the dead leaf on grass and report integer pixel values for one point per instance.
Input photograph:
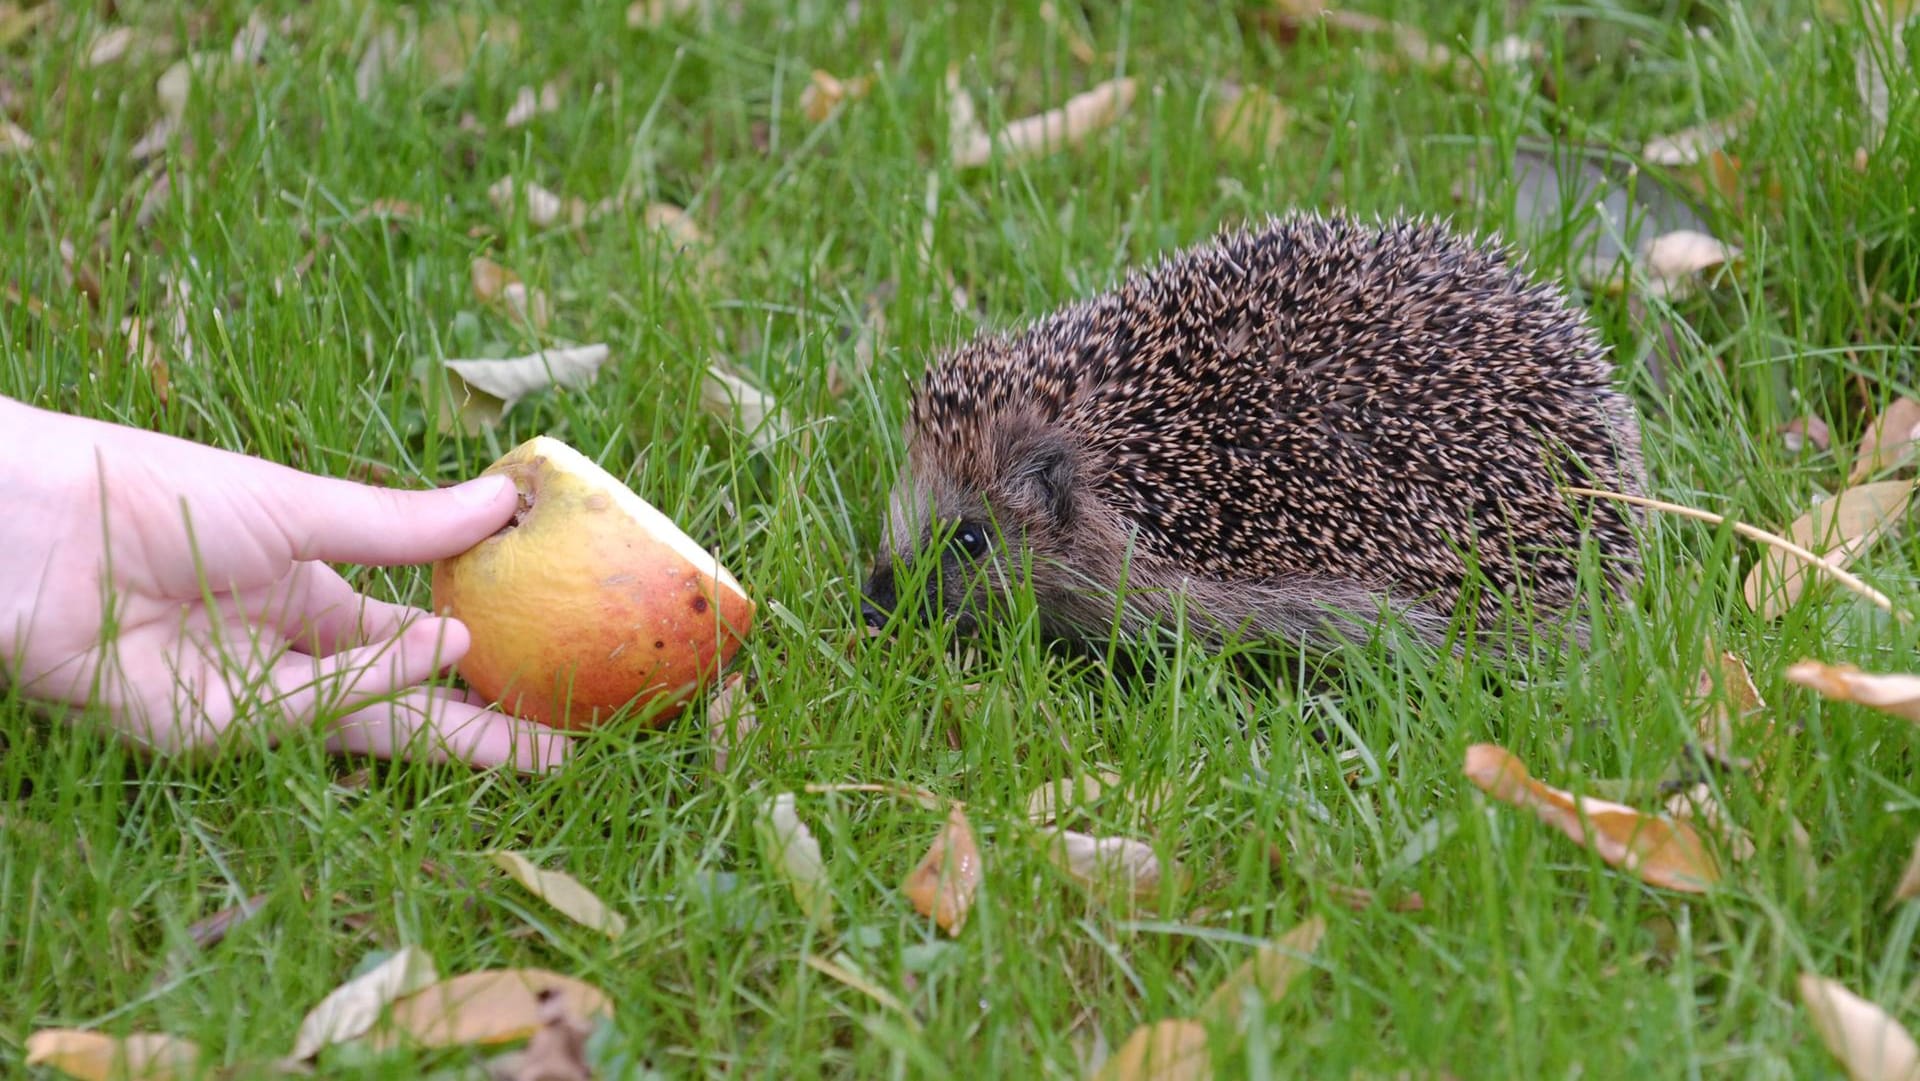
(944, 883)
(496, 285)
(544, 208)
(742, 406)
(1067, 125)
(489, 1007)
(1896, 694)
(1696, 144)
(557, 1051)
(1270, 972)
(1839, 529)
(788, 844)
(207, 933)
(1662, 852)
(1120, 866)
(1868, 1042)
(563, 891)
(843, 969)
(481, 391)
(13, 138)
(1250, 120)
(913, 794)
(94, 1056)
(1888, 442)
(824, 93)
(1171, 1050)
(350, 1010)
(643, 14)
(1077, 43)
(1698, 804)
(529, 103)
(1045, 803)
(1738, 707)
(1676, 263)
(1807, 431)
(16, 22)
(146, 352)
(731, 719)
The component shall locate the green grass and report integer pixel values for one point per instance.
(1529, 957)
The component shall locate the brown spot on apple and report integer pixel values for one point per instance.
(699, 606)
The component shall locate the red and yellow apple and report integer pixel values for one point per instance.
(591, 600)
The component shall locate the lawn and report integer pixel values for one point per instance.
(272, 249)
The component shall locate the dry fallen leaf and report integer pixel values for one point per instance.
(1691, 146)
(731, 719)
(1250, 120)
(1173, 1050)
(497, 285)
(352, 1008)
(94, 1056)
(1897, 694)
(142, 348)
(557, 1051)
(1045, 803)
(1888, 443)
(746, 408)
(1723, 726)
(1871, 1045)
(825, 92)
(1675, 262)
(1697, 804)
(1056, 129)
(544, 207)
(1808, 431)
(490, 1007)
(786, 843)
(843, 969)
(481, 391)
(562, 891)
(13, 138)
(913, 794)
(1838, 529)
(1107, 863)
(943, 885)
(1270, 971)
(642, 14)
(1662, 852)
(207, 933)
(529, 103)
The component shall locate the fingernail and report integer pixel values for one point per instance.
(482, 491)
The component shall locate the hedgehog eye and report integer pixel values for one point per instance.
(971, 539)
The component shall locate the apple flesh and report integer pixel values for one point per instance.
(591, 600)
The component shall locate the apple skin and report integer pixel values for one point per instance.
(592, 601)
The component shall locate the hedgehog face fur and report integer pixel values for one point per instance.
(1282, 432)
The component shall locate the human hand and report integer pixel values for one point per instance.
(182, 589)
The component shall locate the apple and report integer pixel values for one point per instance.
(590, 600)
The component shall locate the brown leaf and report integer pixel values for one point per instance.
(913, 794)
(1909, 885)
(143, 349)
(731, 719)
(1077, 44)
(1251, 120)
(208, 933)
(943, 885)
(1736, 708)
(788, 844)
(1839, 529)
(1675, 262)
(644, 14)
(1662, 852)
(563, 891)
(352, 1008)
(1173, 1050)
(1898, 695)
(746, 408)
(13, 138)
(1270, 971)
(496, 285)
(481, 391)
(1119, 864)
(1869, 1043)
(544, 207)
(1056, 129)
(94, 1056)
(1697, 804)
(824, 93)
(1888, 444)
(1696, 144)
(529, 103)
(1045, 803)
(489, 1007)
(843, 969)
(1810, 429)
(557, 1051)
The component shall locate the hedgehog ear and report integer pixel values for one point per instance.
(1043, 475)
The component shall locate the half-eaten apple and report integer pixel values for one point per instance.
(590, 600)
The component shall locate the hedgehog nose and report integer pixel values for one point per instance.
(874, 617)
(877, 599)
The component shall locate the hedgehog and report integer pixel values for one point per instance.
(1298, 429)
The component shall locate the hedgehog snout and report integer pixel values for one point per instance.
(878, 598)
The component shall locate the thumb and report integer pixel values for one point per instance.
(346, 522)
